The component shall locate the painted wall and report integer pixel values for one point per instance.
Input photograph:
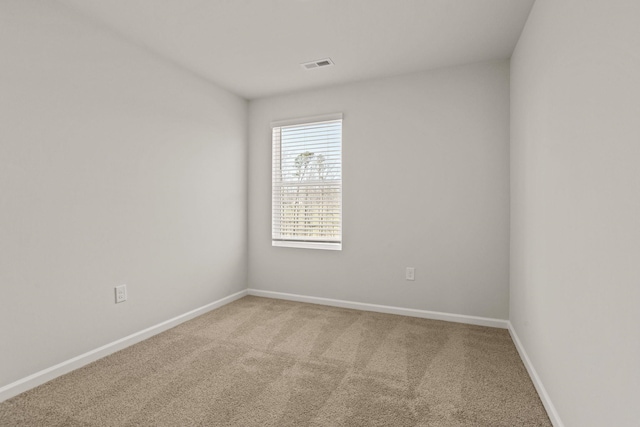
(426, 185)
(115, 167)
(575, 226)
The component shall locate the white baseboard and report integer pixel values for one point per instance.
(48, 374)
(542, 392)
(425, 314)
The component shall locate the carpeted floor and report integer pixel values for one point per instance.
(265, 362)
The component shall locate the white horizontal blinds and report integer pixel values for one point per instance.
(307, 182)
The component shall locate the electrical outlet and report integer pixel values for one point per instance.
(121, 293)
(410, 273)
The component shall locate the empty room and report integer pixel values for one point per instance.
(320, 213)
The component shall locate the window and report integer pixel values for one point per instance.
(307, 183)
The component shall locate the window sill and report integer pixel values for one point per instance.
(307, 245)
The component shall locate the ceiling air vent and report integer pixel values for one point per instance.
(320, 63)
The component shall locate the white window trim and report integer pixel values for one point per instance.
(307, 245)
(331, 246)
(303, 120)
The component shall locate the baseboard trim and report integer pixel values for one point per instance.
(425, 314)
(48, 374)
(542, 392)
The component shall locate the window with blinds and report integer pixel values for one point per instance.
(307, 183)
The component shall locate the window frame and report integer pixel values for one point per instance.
(305, 244)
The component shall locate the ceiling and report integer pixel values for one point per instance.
(254, 47)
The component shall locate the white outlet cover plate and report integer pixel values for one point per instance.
(410, 273)
(121, 293)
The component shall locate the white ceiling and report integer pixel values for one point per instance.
(254, 47)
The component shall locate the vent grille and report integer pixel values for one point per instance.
(320, 63)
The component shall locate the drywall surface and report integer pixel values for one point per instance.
(115, 168)
(425, 185)
(575, 247)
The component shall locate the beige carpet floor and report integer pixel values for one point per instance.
(265, 362)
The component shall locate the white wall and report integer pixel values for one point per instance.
(115, 167)
(575, 248)
(425, 185)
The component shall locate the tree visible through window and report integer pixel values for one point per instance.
(307, 185)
